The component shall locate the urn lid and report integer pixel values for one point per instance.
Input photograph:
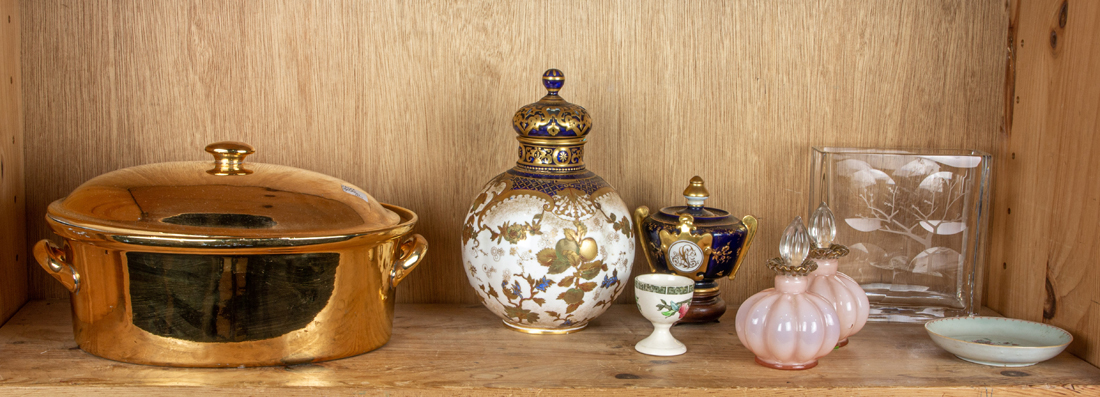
(226, 198)
(552, 117)
(696, 195)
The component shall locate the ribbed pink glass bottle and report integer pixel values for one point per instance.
(788, 327)
(847, 297)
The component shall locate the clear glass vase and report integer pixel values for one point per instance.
(916, 223)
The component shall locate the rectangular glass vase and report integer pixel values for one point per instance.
(915, 222)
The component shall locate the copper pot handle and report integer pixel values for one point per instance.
(52, 258)
(413, 249)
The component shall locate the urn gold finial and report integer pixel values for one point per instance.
(696, 193)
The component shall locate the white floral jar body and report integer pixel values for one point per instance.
(548, 245)
(787, 327)
(848, 298)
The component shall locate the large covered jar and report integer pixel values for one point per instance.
(225, 263)
(548, 244)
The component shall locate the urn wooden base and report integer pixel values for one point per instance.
(706, 306)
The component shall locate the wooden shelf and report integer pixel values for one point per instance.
(458, 350)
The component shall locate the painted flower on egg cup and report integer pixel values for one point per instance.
(848, 298)
(663, 299)
(789, 327)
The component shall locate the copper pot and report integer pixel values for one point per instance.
(202, 264)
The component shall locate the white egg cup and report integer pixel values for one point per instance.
(663, 299)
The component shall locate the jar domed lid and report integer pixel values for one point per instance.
(552, 116)
(224, 198)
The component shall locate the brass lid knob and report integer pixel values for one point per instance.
(696, 194)
(229, 157)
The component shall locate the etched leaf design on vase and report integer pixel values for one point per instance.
(587, 286)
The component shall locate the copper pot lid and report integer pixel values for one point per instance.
(225, 198)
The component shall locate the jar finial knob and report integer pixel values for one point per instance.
(553, 79)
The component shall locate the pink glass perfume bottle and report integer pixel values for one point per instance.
(849, 300)
(788, 327)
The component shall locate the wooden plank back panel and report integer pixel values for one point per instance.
(1047, 195)
(413, 101)
(13, 260)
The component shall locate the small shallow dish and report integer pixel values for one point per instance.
(998, 341)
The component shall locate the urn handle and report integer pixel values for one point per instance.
(52, 258)
(640, 214)
(750, 224)
(412, 249)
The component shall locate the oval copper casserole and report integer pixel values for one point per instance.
(228, 263)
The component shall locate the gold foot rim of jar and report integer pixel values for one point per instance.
(544, 331)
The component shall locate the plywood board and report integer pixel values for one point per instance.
(465, 350)
(1047, 211)
(413, 101)
(13, 258)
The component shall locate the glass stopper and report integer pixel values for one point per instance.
(794, 246)
(823, 226)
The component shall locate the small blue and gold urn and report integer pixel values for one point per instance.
(698, 242)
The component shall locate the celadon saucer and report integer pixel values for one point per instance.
(998, 341)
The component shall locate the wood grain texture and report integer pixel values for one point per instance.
(464, 350)
(413, 101)
(1047, 198)
(13, 258)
